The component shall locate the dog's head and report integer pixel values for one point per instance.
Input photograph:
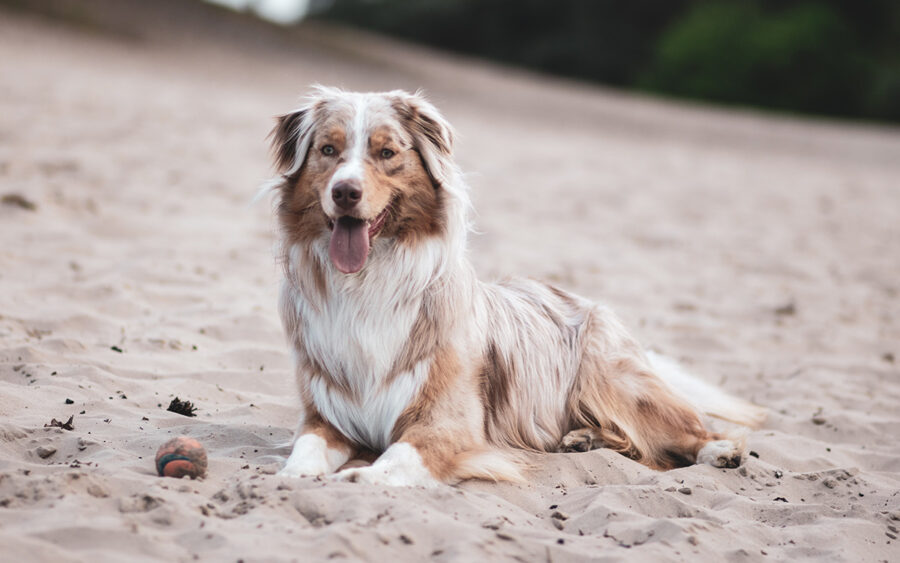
(357, 166)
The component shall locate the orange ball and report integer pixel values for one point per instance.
(181, 457)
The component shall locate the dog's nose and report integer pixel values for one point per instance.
(346, 194)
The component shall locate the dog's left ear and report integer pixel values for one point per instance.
(432, 135)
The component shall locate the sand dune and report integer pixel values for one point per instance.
(762, 251)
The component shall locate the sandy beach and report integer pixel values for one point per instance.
(761, 250)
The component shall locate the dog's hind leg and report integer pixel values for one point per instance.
(581, 440)
(617, 393)
(721, 453)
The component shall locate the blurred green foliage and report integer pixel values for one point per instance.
(834, 57)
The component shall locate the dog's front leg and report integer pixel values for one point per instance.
(438, 430)
(319, 450)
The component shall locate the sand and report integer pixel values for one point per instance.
(763, 251)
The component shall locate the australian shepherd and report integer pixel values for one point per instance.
(403, 357)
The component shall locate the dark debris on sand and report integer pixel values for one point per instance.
(18, 200)
(184, 408)
(67, 425)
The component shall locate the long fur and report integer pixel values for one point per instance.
(414, 349)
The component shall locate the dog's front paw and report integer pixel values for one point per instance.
(302, 468)
(363, 475)
(383, 477)
(399, 466)
(311, 457)
(721, 453)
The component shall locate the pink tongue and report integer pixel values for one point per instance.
(349, 246)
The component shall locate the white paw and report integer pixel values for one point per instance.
(366, 475)
(385, 477)
(311, 457)
(303, 468)
(720, 453)
(400, 466)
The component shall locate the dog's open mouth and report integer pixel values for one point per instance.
(350, 241)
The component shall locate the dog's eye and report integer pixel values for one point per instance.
(328, 150)
(386, 153)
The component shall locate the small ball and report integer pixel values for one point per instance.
(181, 457)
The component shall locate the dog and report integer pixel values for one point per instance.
(403, 357)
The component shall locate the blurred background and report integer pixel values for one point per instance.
(830, 57)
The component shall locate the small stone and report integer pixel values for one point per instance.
(778, 474)
(44, 452)
(692, 540)
(494, 523)
(559, 515)
(70, 402)
(818, 420)
(830, 483)
(505, 537)
(96, 490)
(786, 310)
(268, 469)
(18, 200)
(559, 525)
(685, 490)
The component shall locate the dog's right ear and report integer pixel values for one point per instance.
(291, 138)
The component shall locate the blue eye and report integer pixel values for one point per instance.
(387, 153)
(328, 150)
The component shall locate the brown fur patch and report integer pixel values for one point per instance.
(426, 334)
(436, 422)
(443, 369)
(315, 423)
(284, 139)
(638, 416)
(495, 388)
(422, 125)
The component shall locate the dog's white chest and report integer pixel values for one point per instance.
(355, 333)
(368, 415)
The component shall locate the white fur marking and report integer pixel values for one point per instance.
(718, 453)
(371, 422)
(400, 466)
(311, 457)
(354, 154)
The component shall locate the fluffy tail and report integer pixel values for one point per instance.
(705, 397)
(492, 465)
